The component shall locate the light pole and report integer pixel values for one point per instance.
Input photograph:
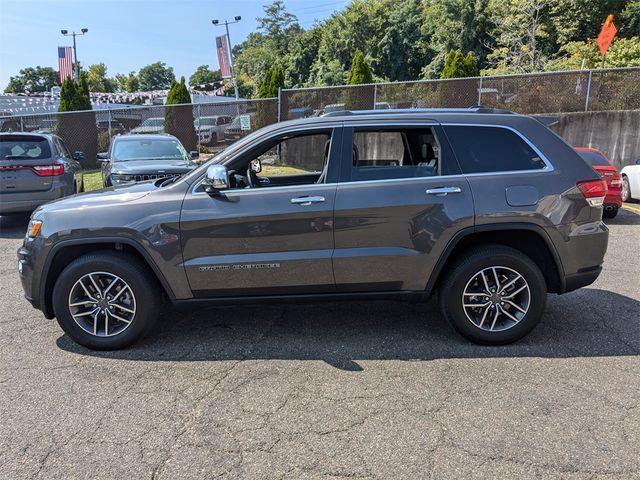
(237, 18)
(76, 66)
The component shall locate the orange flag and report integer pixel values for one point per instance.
(607, 33)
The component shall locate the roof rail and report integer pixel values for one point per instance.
(474, 109)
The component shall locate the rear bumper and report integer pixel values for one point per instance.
(582, 279)
(613, 201)
(18, 206)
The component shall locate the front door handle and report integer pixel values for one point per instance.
(442, 191)
(304, 201)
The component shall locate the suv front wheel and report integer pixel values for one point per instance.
(106, 300)
(493, 295)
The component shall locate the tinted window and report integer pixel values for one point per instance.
(23, 147)
(594, 158)
(491, 149)
(165, 149)
(380, 154)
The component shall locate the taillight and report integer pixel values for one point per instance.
(48, 170)
(616, 181)
(594, 191)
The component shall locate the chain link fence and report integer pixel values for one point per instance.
(209, 127)
(205, 127)
(542, 93)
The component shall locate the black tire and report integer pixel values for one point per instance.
(626, 191)
(610, 213)
(464, 269)
(138, 277)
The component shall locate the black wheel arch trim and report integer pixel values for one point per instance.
(495, 227)
(95, 241)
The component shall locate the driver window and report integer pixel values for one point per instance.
(289, 160)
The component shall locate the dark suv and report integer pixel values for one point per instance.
(36, 168)
(490, 209)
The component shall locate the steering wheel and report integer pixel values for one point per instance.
(252, 178)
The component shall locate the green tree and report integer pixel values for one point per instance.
(271, 83)
(301, 52)
(458, 65)
(127, 83)
(630, 19)
(623, 52)
(97, 79)
(178, 119)
(360, 71)
(278, 24)
(33, 79)
(519, 27)
(204, 76)
(78, 130)
(156, 76)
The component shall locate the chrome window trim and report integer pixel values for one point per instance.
(311, 186)
(547, 169)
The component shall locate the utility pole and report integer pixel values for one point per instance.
(216, 22)
(76, 65)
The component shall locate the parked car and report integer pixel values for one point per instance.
(604, 167)
(36, 168)
(491, 210)
(631, 182)
(150, 125)
(211, 129)
(234, 129)
(334, 107)
(138, 158)
(116, 126)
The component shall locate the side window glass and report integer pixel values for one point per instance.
(481, 149)
(297, 155)
(380, 154)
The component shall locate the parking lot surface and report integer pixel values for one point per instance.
(340, 390)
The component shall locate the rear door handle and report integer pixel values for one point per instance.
(304, 201)
(442, 191)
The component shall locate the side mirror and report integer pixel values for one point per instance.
(216, 179)
(194, 154)
(77, 155)
(256, 165)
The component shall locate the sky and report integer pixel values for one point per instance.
(128, 34)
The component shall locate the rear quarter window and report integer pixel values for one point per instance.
(482, 149)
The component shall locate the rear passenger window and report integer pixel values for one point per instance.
(379, 154)
(491, 149)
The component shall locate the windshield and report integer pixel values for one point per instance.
(24, 147)
(165, 149)
(153, 122)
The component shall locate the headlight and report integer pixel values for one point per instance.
(119, 179)
(34, 228)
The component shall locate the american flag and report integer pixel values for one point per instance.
(65, 63)
(222, 45)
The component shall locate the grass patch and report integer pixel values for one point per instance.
(92, 180)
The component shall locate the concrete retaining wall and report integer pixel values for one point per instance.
(615, 133)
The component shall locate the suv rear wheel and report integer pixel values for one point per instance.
(105, 300)
(493, 295)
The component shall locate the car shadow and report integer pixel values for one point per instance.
(14, 226)
(624, 217)
(585, 323)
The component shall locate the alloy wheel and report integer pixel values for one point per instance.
(496, 299)
(102, 304)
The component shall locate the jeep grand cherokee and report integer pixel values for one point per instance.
(491, 210)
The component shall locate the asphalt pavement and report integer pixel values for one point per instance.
(379, 390)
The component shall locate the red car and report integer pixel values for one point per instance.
(602, 165)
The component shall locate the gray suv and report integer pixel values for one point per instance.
(36, 168)
(491, 210)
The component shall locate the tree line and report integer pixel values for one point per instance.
(399, 40)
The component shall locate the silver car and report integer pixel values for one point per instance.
(36, 168)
